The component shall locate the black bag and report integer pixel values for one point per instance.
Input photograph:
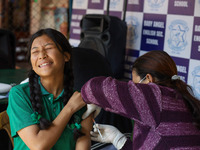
(7, 49)
(107, 35)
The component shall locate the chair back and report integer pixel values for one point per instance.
(7, 49)
(88, 63)
(5, 125)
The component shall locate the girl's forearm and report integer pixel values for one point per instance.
(38, 139)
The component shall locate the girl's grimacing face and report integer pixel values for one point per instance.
(46, 59)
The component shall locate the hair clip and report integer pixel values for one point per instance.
(36, 117)
(75, 125)
(175, 77)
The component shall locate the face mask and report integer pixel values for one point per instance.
(142, 79)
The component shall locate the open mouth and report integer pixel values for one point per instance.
(45, 64)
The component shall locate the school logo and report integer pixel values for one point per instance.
(114, 3)
(132, 34)
(155, 4)
(178, 32)
(196, 81)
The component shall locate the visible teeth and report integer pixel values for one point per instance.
(44, 64)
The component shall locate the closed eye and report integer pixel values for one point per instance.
(48, 48)
(34, 51)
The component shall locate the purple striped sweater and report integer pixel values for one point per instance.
(161, 120)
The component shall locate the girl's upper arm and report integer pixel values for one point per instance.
(19, 110)
(84, 142)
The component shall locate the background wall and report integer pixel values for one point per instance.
(169, 25)
(25, 17)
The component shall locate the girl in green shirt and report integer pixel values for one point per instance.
(45, 113)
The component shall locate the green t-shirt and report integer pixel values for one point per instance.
(20, 110)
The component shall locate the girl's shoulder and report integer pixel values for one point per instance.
(20, 88)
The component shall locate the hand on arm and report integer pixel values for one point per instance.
(38, 139)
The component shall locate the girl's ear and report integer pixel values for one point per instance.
(67, 56)
(149, 78)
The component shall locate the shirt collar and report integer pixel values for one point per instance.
(45, 92)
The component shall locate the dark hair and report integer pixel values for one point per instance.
(35, 92)
(162, 67)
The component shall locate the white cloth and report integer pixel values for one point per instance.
(90, 109)
(24, 81)
(5, 88)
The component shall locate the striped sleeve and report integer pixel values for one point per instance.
(140, 102)
(128, 145)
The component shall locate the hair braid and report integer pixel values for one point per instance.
(35, 98)
(68, 91)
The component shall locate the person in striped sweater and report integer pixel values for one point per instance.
(166, 114)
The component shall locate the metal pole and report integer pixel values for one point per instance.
(108, 6)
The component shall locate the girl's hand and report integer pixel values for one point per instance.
(76, 102)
